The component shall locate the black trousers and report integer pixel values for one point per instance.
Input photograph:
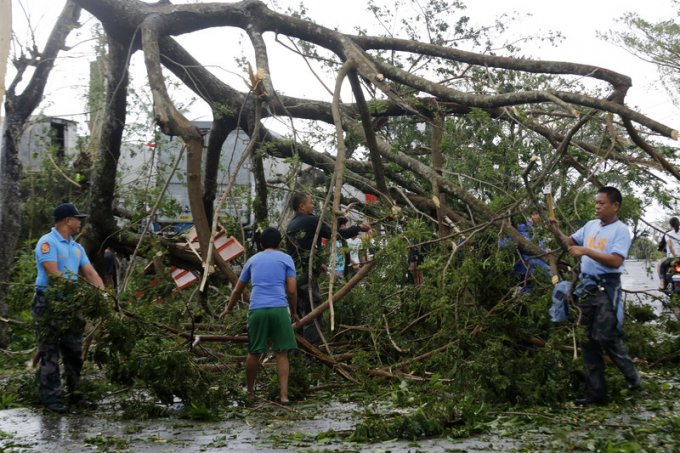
(663, 270)
(599, 319)
(52, 346)
(306, 301)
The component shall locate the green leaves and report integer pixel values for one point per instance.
(68, 304)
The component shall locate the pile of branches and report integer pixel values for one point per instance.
(468, 327)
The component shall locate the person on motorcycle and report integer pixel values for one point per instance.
(672, 237)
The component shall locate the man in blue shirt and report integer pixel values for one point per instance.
(57, 254)
(602, 245)
(272, 301)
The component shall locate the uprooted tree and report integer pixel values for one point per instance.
(464, 140)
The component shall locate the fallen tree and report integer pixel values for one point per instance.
(457, 146)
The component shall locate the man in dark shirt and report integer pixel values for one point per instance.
(299, 239)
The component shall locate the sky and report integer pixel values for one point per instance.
(577, 20)
(580, 21)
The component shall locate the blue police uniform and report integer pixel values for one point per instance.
(67, 253)
(70, 257)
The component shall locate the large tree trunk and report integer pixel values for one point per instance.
(18, 109)
(108, 139)
(260, 202)
(221, 128)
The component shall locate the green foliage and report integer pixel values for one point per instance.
(498, 364)
(135, 409)
(426, 409)
(643, 248)
(161, 365)
(222, 110)
(645, 338)
(8, 401)
(200, 412)
(115, 348)
(652, 41)
(45, 187)
(377, 107)
(423, 422)
(107, 443)
(20, 387)
(18, 298)
(20, 293)
(70, 303)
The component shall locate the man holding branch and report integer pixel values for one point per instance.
(57, 254)
(602, 245)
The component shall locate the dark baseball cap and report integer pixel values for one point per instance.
(67, 210)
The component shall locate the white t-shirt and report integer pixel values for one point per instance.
(672, 236)
(354, 245)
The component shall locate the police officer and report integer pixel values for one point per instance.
(57, 254)
(602, 245)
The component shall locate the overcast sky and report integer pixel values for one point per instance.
(577, 20)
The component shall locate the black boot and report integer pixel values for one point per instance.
(57, 407)
(78, 399)
(587, 401)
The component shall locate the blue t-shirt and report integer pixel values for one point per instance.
(339, 264)
(268, 271)
(67, 253)
(611, 238)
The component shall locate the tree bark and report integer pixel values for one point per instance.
(108, 142)
(437, 165)
(18, 108)
(221, 128)
(260, 203)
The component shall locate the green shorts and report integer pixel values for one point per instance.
(273, 324)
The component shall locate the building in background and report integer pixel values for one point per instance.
(144, 167)
(141, 163)
(47, 138)
(232, 150)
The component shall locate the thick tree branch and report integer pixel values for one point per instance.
(621, 83)
(108, 139)
(518, 98)
(371, 142)
(649, 149)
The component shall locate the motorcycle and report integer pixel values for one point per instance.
(672, 277)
